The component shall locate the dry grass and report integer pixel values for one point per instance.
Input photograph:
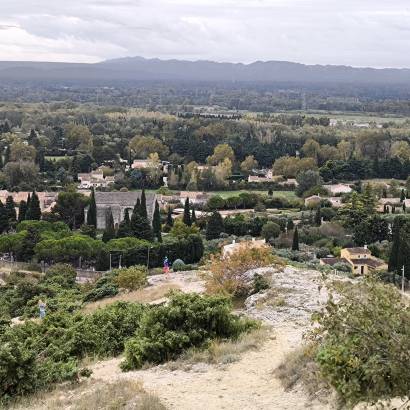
(300, 369)
(145, 295)
(122, 394)
(222, 352)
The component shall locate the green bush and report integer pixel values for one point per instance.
(131, 278)
(104, 287)
(259, 283)
(189, 320)
(35, 355)
(178, 265)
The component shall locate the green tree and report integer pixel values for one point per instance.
(403, 259)
(402, 195)
(143, 205)
(92, 210)
(109, 232)
(215, 226)
(295, 241)
(398, 223)
(170, 221)
(70, 207)
(140, 226)
(34, 210)
(187, 214)
(318, 216)
(362, 343)
(22, 211)
(4, 220)
(11, 210)
(270, 230)
(124, 228)
(193, 216)
(156, 222)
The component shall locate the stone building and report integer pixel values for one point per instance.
(118, 202)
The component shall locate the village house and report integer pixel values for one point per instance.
(313, 201)
(94, 179)
(338, 189)
(47, 199)
(360, 259)
(389, 204)
(117, 203)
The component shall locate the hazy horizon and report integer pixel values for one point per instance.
(369, 33)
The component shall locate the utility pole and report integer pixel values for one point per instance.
(402, 279)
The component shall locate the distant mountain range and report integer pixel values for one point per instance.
(141, 69)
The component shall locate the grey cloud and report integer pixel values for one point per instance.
(361, 33)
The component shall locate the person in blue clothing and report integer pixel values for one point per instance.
(166, 265)
(42, 308)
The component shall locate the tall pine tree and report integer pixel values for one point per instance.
(156, 222)
(193, 216)
(170, 221)
(4, 219)
(295, 241)
(22, 211)
(11, 210)
(33, 208)
(143, 206)
(404, 250)
(124, 228)
(187, 214)
(398, 223)
(140, 226)
(109, 232)
(92, 210)
(215, 226)
(318, 216)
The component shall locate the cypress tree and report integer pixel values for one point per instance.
(394, 254)
(4, 220)
(1, 161)
(109, 232)
(187, 215)
(22, 211)
(193, 216)
(92, 210)
(140, 226)
(156, 222)
(170, 221)
(215, 226)
(404, 250)
(137, 207)
(11, 209)
(33, 209)
(290, 225)
(7, 155)
(295, 242)
(124, 228)
(402, 195)
(143, 206)
(318, 217)
(6, 127)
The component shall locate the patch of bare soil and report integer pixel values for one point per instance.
(250, 382)
(156, 291)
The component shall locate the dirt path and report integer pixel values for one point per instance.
(246, 384)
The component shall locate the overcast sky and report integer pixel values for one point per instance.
(352, 32)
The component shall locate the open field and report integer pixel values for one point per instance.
(226, 194)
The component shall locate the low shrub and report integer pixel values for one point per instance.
(178, 265)
(132, 278)
(228, 275)
(259, 283)
(35, 355)
(189, 320)
(104, 287)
